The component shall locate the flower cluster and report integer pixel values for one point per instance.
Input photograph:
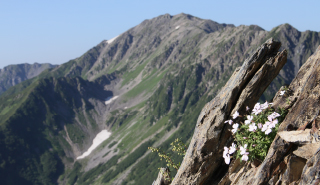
(255, 134)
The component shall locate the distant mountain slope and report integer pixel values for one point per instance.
(162, 71)
(46, 126)
(13, 74)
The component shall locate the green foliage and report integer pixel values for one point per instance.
(112, 144)
(49, 165)
(255, 135)
(74, 174)
(185, 132)
(32, 128)
(129, 76)
(177, 146)
(146, 86)
(75, 133)
(128, 161)
(106, 154)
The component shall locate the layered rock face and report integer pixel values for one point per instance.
(203, 162)
(293, 158)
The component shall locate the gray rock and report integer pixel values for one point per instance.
(163, 177)
(291, 162)
(203, 163)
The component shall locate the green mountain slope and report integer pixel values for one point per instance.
(162, 72)
(43, 128)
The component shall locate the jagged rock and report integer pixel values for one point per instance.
(285, 161)
(307, 151)
(163, 177)
(308, 144)
(298, 136)
(294, 169)
(311, 171)
(203, 163)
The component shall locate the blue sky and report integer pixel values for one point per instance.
(60, 30)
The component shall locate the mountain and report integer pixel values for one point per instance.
(156, 77)
(13, 74)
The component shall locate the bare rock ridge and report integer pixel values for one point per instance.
(203, 163)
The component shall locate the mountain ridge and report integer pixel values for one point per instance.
(13, 74)
(163, 71)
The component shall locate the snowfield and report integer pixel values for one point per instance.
(111, 100)
(101, 136)
(111, 40)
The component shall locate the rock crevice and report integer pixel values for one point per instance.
(294, 155)
(203, 162)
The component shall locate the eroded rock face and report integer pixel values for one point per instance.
(163, 177)
(293, 158)
(203, 163)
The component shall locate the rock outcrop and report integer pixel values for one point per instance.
(203, 163)
(294, 155)
(163, 177)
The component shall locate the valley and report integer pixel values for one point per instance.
(92, 119)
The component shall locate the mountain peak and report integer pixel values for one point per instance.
(162, 71)
(284, 28)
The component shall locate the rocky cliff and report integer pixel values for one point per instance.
(293, 157)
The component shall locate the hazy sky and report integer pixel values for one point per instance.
(60, 30)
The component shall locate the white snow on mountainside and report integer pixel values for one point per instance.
(111, 40)
(101, 136)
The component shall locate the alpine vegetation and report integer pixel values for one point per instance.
(254, 135)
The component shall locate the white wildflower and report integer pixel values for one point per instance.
(243, 149)
(264, 106)
(226, 155)
(232, 148)
(229, 121)
(249, 119)
(225, 152)
(235, 115)
(273, 116)
(266, 128)
(272, 123)
(245, 156)
(257, 109)
(252, 127)
(227, 159)
(235, 128)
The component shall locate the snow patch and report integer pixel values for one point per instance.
(101, 136)
(109, 100)
(111, 40)
(177, 27)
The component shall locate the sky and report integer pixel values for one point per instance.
(61, 30)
